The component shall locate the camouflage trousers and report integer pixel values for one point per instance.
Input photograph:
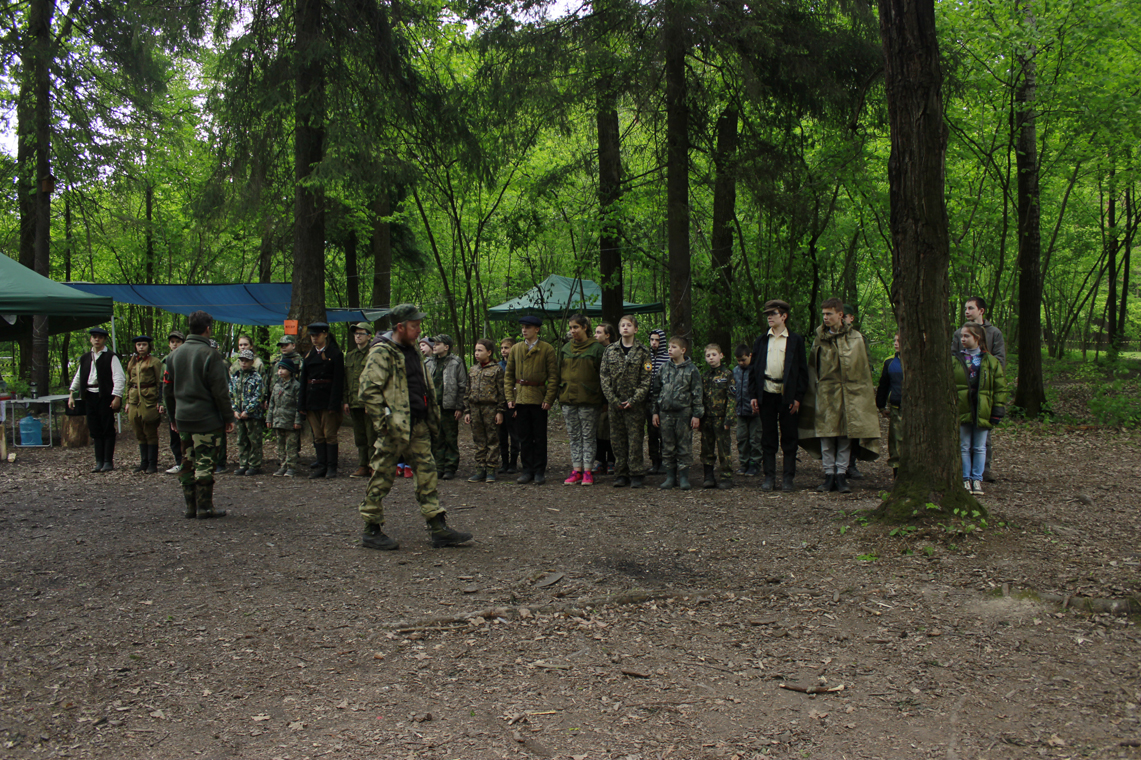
(446, 447)
(417, 454)
(677, 439)
(144, 421)
(627, 431)
(364, 435)
(199, 454)
(749, 441)
(717, 444)
(485, 435)
(582, 427)
(251, 435)
(288, 446)
(895, 436)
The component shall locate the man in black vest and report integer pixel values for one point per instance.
(100, 382)
(777, 385)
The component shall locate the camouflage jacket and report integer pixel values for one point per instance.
(719, 388)
(677, 389)
(144, 382)
(485, 386)
(626, 377)
(246, 392)
(384, 391)
(283, 412)
(354, 364)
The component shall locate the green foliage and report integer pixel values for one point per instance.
(867, 557)
(1119, 402)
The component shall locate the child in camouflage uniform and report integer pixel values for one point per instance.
(485, 405)
(677, 411)
(283, 417)
(716, 442)
(247, 387)
(625, 375)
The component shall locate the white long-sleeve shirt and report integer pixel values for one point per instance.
(118, 376)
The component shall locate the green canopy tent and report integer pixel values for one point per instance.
(560, 297)
(24, 293)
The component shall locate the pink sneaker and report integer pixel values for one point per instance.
(588, 478)
(407, 471)
(574, 479)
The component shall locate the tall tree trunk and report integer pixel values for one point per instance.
(26, 185)
(149, 312)
(677, 172)
(1109, 324)
(352, 276)
(65, 345)
(1031, 392)
(265, 275)
(721, 248)
(930, 467)
(381, 255)
(308, 302)
(1126, 256)
(609, 204)
(39, 28)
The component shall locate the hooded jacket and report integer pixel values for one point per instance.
(841, 398)
(677, 388)
(454, 382)
(985, 404)
(580, 366)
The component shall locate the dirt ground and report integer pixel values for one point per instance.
(580, 623)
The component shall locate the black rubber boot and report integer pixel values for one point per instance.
(205, 494)
(725, 483)
(332, 451)
(143, 459)
(97, 445)
(787, 484)
(637, 481)
(108, 454)
(374, 538)
(829, 484)
(540, 477)
(854, 471)
(442, 535)
(480, 476)
(322, 463)
(525, 478)
(683, 478)
(190, 494)
(621, 481)
(710, 480)
(842, 484)
(769, 484)
(670, 481)
(152, 459)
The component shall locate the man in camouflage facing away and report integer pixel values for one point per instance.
(401, 403)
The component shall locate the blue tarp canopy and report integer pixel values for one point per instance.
(252, 303)
(559, 297)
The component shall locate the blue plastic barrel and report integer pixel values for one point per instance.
(31, 432)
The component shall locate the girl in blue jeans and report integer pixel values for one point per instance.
(981, 385)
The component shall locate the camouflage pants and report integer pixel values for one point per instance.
(446, 447)
(895, 437)
(199, 454)
(417, 453)
(485, 435)
(749, 441)
(627, 431)
(288, 446)
(364, 435)
(251, 435)
(582, 427)
(717, 444)
(144, 421)
(677, 439)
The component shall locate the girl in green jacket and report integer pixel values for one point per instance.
(580, 395)
(982, 394)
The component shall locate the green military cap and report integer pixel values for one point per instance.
(362, 326)
(406, 312)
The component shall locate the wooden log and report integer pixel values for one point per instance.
(73, 433)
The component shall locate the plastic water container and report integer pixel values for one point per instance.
(31, 432)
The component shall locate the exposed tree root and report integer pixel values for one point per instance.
(908, 503)
(1130, 605)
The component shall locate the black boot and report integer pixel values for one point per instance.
(144, 457)
(769, 484)
(205, 496)
(332, 451)
(480, 476)
(442, 535)
(710, 480)
(540, 476)
(854, 472)
(725, 483)
(322, 463)
(842, 484)
(670, 481)
(374, 538)
(683, 478)
(788, 484)
(636, 481)
(190, 494)
(97, 445)
(621, 481)
(152, 458)
(829, 484)
(525, 478)
(108, 454)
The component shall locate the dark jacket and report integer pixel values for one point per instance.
(795, 375)
(890, 389)
(322, 379)
(198, 394)
(741, 377)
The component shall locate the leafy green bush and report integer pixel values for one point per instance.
(1119, 401)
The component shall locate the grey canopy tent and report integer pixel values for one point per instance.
(559, 296)
(24, 293)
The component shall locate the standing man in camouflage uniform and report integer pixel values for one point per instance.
(401, 402)
(450, 378)
(716, 441)
(625, 376)
(198, 400)
(144, 397)
(363, 434)
(530, 381)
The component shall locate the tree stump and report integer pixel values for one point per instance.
(74, 433)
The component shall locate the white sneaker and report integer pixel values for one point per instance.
(967, 486)
(174, 470)
(977, 487)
